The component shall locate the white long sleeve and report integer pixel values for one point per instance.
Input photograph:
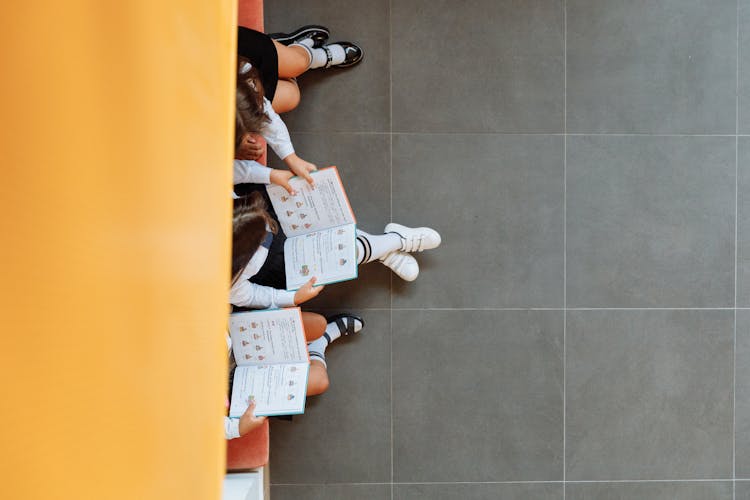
(244, 293)
(252, 172)
(231, 428)
(275, 133)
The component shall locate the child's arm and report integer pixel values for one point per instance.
(277, 136)
(231, 428)
(247, 294)
(276, 133)
(252, 172)
(248, 421)
(237, 427)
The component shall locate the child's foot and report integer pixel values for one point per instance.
(404, 265)
(338, 325)
(342, 54)
(339, 54)
(414, 239)
(342, 325)
(318, 34)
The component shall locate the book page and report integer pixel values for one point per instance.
(310, 209)
(276, 389)
(271, 336)
(330, 255)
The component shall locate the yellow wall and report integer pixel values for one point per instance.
(114, 216)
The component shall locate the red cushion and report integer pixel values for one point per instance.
(250, 451)
(251, 16)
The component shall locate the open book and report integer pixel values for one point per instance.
(272, 362)
(320, 229)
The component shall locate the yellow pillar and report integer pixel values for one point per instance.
(115, 223)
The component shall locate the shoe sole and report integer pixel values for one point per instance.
(286, 38)
(349, 65)
(399, 273)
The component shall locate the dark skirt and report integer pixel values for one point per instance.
(259, 49)
(272, 272)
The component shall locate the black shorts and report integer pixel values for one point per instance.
(259, 49)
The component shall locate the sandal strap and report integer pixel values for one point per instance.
(329, 56)
(342, 326)
(346, 327)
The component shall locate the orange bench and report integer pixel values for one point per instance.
(249, 451)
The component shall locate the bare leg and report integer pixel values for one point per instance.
(317, 383)
(315, 325)
(287, 96)
(293, 61)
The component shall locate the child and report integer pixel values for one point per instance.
(281, 57)
(261, 94)
(321, 332)
(257, 249)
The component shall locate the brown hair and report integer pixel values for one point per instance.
(250, 224)
(249, 115)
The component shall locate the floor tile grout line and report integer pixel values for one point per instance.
(509, 134)
(568, 481)
(565, 246)
(568, 309)
(736, 232)
(390, 219)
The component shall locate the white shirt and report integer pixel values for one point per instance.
(244, 293)
(231, 428)
(275, 133)
(250, 172)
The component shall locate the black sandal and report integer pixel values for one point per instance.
(319, 34)
(346, 324)
(352, 55)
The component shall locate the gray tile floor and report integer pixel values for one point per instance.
(584, 330)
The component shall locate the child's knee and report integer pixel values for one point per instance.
(323, 385)
(318, 383)
(315, 325)
(294, 95)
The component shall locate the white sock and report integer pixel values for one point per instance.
(317, 350)
(373, 247)
(319, 57)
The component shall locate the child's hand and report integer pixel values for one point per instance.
(281, 178)
(300, 167)
(307, 292)
(249, 149)
(248, 421)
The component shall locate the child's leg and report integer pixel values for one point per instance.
(396, 238)
(287, 96)
(293, 60)
(315, 325)
(317, 382)
(371, 247)
(391, 248)
(341, 324)
(298, 57)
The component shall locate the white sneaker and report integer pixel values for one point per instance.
(404, 265)
(414, 239)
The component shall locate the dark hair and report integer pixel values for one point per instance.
(249, 115)
(249, 227)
